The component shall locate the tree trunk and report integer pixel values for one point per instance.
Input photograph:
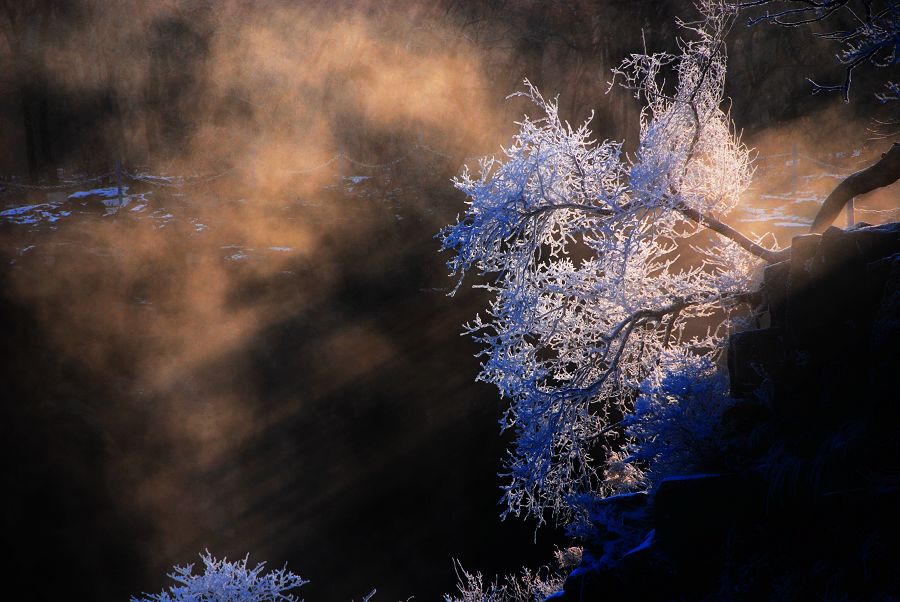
(31, 138)
(883, 173)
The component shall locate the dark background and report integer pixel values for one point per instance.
(287, 380)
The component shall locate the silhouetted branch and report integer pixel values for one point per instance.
(883, 173)
(873, 40)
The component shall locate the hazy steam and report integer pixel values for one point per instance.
(277, 291)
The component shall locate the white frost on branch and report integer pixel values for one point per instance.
(600, 261)
(676, 427)
(224, 581)
(872, 37)
(524, 586)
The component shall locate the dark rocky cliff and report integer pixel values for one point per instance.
(808, 509)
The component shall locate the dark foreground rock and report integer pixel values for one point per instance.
(809, 511)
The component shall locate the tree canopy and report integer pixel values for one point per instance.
(609, 288)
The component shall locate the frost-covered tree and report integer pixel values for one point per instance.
(611, 272)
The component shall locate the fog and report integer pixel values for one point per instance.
(256, 354)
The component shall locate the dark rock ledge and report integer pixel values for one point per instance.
(808, 508)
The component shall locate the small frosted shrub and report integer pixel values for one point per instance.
(224, 581)
(525, 586)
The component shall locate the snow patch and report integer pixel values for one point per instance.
(109, 193)
(797, 224)
(33, 214)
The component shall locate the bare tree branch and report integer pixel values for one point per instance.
(732, 234)
(883, 173)
(873, 40)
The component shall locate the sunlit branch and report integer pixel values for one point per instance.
(732, 234)
(623, 330)
(708, 221)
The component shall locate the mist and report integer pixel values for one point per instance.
(251, 349)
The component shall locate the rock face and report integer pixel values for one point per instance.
(828, 300)
(809, 509)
